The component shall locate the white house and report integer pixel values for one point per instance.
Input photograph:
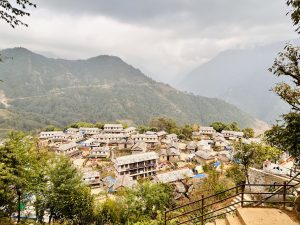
(206, 130)
(130, 131)
(113, 128)
(89, 130)
(100, 152)
(91, 178)
(232, 135)
(72, 130)
(50, 134)
(69, 149)
(88, 143)
(148, 138)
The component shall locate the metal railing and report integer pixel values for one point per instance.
(204, 209)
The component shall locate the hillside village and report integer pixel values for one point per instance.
(116, 157)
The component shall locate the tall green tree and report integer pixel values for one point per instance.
(286, 133)
(16, 162)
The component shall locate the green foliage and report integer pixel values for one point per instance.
(254, 155)
(286, 136)
(82, 124)
(51, 128)
(163, 123)
(287, 65)
(215, 183)
(218, 126)
(248, 132)
(17, 157)
(236, 174)
(140, 205)
(295, 13)
(54, 181)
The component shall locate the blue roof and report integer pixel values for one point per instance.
(216, 164)
(200, 175)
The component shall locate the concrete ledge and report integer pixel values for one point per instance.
(264, 216)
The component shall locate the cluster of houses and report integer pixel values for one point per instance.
(144, 155)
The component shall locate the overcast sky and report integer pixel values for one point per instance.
(164, 38)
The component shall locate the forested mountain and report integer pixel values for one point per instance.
(39, 90)
(240, 77)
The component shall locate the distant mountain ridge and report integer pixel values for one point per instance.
(102, 88)
(240, 77)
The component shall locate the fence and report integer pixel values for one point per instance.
(204, 209)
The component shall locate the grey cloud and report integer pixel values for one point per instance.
(166, 13)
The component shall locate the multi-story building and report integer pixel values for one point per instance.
(148, 138)
(137, 166)
(229, 134)
(50, 134)
(89, 130)
(72, 130)
(206, 131)
(113, 128)
(130, 131)
(69, 149)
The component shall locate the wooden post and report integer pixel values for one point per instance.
(165, 218)
(202, 210)
(242, 197)
(284, 194)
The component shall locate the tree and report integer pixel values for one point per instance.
(286, 64)
(295, 13)
(10, 13)
(16, 163)
(254, 155)
(234, 126)
(218, 126)
(67, 197)
(162, 123)
(286, 134)
(248, 133)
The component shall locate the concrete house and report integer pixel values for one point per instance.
(100, 152)
(171, 154)
(91, 178)
(76, 137)
(150, 139)
(50, 134)
(139, 147)
(161, 134)
(89, 130)
(205, 157)
(137, 166)
(113, 128)
(191, 147)
(69, 149)
(174, 176)
(109, 138)
(232, 135)
(130, 131)
(72, 130)
(88, 143)
(206, 131)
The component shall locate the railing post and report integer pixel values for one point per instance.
(284, 194)
(242, 197)
(202, 210)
